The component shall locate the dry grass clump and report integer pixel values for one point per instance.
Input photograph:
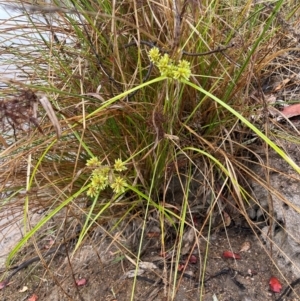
(91, 59)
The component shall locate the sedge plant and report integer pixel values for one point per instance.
(147, 94)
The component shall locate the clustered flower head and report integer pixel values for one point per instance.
(167, 66)
(93, 162)
(104, 176)
(119, 165)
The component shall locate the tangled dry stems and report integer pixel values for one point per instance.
(109, 55)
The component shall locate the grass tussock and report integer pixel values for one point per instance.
(182, 142)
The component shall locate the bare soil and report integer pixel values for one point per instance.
(104, 266)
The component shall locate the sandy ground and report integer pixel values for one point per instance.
(102, 268)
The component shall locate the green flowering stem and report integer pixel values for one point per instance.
(42, 222)
(248, 124)
(123, 95)
(89, 221)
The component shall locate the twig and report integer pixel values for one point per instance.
(219, 49)
(288, 289)
(28, 262)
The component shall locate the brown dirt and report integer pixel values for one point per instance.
(104, 268)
